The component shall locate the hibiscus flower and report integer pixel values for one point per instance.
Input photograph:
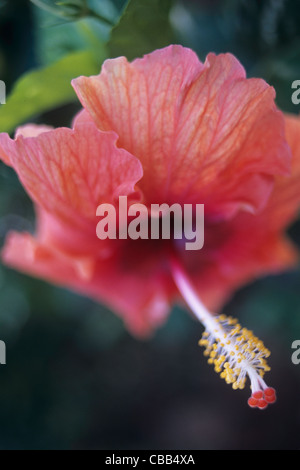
(166, 128)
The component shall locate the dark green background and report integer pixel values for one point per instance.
(75, 379)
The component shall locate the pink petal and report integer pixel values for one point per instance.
(203, 132)
(140, 297)
(32, 130)
(70, 172)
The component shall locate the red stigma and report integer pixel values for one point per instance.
(261, 399)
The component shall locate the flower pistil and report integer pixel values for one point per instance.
(235, 352)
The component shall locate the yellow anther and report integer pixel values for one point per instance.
(230, 340)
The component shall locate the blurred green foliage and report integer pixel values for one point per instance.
(143, 27)
(46, 88)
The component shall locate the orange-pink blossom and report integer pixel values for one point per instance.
(163, 129)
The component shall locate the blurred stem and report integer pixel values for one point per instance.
(47, 8)
(88, 34)
(101, 18)
(86, 12)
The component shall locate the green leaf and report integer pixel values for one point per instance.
(143, 27)
(47, 88)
